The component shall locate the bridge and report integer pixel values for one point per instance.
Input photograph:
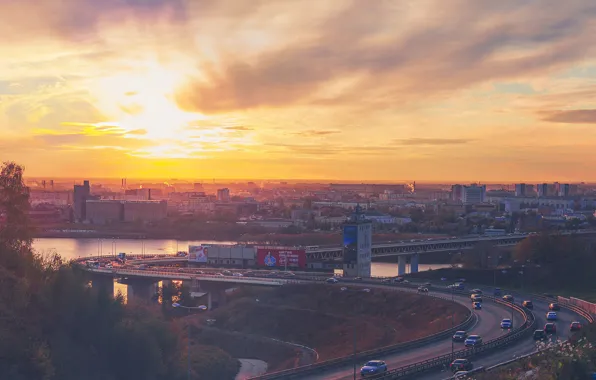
(411, 249)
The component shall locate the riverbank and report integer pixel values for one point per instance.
(295, 239)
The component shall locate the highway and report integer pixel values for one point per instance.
(487, 326)
(565, 317)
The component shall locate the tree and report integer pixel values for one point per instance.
(14, 203)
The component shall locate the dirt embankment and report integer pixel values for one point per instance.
(328, 319)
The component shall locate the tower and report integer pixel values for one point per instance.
(357, 245)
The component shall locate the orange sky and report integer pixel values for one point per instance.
(358, 90)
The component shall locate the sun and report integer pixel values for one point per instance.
(142, 99)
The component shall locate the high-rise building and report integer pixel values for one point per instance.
(564, 190)
(473, 194)
(357, 245)
(521, 190)
(81, 194)
(223, 195)
(456, 192)
(542, 189)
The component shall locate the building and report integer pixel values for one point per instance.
(473, 194)
(104, 211)
(223, 195)
(456, 193)
(357, 245)
(80, 196)
(521, 190)
(145, 211)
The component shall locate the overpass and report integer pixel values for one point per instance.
(143, 283)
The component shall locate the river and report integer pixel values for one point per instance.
(75, 248)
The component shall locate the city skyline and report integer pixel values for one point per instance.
(447, 92)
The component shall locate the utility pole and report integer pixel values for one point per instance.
(354, 334)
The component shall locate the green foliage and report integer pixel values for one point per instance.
(54, 327)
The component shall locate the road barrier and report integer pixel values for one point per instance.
(300, 372)
(444, 360)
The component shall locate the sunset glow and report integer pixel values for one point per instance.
(387, 90)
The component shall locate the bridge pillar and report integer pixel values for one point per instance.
(103, 283)
(414, 263)
(141, 289)
(401, 265)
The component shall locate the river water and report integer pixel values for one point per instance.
(75, 248)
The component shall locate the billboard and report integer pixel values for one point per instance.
(277, 256)
(350, 244)
(197, 253)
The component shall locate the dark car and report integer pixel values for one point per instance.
(550, 328)
(554, 307)
(528, 304)
(539, 335)
(508, 298)
(575, 326)
(373, 367)
(461, 365)
(476, 291)
(358, 278)
(460, 336)
(423, 289)
(497, 292)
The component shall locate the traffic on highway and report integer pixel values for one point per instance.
(492, 319)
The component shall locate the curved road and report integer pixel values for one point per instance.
(487, 326)
(525, 346)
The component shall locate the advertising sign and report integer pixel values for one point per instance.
(278, 256)
(350, 244)
(197, 253)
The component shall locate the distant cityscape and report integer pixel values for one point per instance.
(409, 207)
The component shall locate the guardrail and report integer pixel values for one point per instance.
(302, 371)
(444, 360)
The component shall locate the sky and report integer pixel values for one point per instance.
(436, 90)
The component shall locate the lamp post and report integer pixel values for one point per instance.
(200, 307)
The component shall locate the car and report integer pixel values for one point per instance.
(386, 280)
(551, 316)
(508, 298)
(506, 323)
(236, 274)
(462, 280)
(109, 266)
(443, 278)
(373, 367)
(459, 336)
(554, 307)
(219, 274)
(477, 306)
(461, 365)
(550, 328)
(528, 304)
(332, 280)
(422, 289)
(358, 278)
(474, 296)
(400, 279)
(427, 284)
(575, 326)
(539, 335)
(497, 292)
(473, 341)
(476, 291)
(227, 273)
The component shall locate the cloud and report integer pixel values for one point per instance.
(587, 116)
(328, 150)
(315, 133)
(239, 128)
(431, 141)
(467, 45)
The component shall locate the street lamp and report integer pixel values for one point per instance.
(200, 307)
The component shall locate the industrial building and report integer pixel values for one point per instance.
(111, 211)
